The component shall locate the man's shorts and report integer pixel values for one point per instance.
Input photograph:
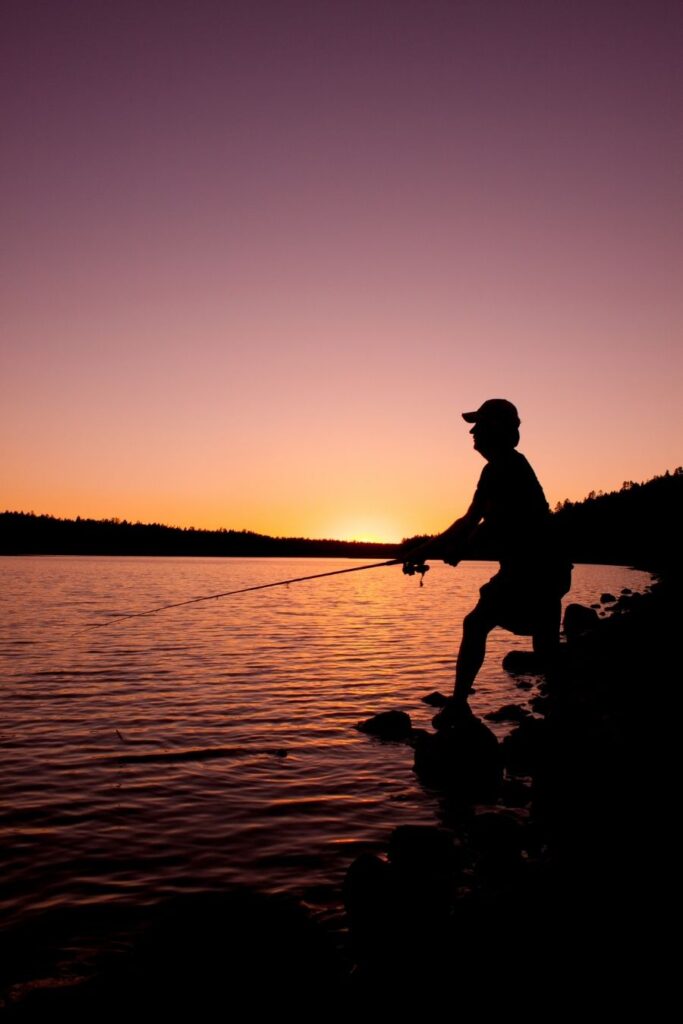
(524, 602)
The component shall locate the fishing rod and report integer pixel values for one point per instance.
(409, 568)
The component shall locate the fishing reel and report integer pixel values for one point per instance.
(414, 568)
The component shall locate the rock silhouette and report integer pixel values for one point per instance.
(388, 725)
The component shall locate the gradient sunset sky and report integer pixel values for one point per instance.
(257, 257)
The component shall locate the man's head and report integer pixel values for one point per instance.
(496, 427)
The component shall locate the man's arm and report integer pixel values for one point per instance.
(452, 543)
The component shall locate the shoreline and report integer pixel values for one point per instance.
(546, 877)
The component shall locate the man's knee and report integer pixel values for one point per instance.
(479, 620)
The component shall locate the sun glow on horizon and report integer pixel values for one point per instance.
(374, 531)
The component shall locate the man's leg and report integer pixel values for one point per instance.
(475, 629)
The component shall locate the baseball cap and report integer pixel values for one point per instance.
(498, 409)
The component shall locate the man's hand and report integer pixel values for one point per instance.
(452, 556)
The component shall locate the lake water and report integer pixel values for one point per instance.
(215, 744)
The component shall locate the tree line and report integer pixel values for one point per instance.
(29, 534)
(636, 525)
(640, 524)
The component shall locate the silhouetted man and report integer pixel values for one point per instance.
(510, 511)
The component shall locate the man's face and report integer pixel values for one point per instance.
(484, 433)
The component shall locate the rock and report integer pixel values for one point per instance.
(465, 758)
(497, 839)
(578, 619)
(508, 713)
(524, 684)
(367, 886)
(626, 602)
(422, 848)
(400, 910)
(388, 725)
(522, 663)
(607, 598)
(524, 747)
(425, 863)
(626, 590)
(515, 793)
(435, 699)
(370, 902)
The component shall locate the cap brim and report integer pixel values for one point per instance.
(469, 417)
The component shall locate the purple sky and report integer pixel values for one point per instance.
(257, 257)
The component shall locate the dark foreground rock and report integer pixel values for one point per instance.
(391, 901)
(578, 620)
(508, 713)
(465, 759)
(522, 663)
(435, 699)
(388, 725)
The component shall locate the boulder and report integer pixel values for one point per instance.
(420, 849)
(435, 699)
(388, 725)
(464, 759)
(519, 663)
(524, 748)
(400, 910)
(578, 619)
(497, 839)
(508, 713)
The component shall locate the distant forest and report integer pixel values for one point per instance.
(638, 525)
(23, 533)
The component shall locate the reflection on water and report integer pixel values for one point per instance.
(215, 744)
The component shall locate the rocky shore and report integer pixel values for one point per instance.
(538, 887)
